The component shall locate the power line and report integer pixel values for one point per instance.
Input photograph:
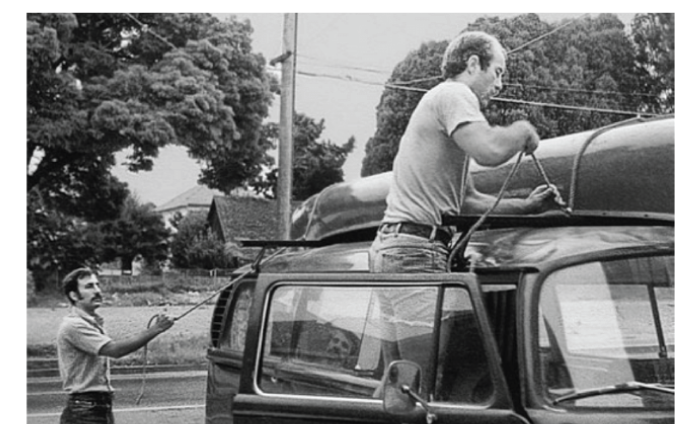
(537, 39)
(338, 77)
(569, 107)
(574, 90)
(146, 29)
(509, 52)
(402, 85)
(418, 80)
(504, 100)
(338, 65)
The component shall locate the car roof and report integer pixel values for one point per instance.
(522, 247)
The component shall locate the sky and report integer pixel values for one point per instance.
(355, 54)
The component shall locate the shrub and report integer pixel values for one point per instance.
(31, 289)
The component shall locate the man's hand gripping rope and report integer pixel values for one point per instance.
(457, 251)
(254, 268)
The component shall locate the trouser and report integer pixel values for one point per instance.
(408, 315)
(88, 407)
(405, 253)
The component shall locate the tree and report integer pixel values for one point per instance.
(57, 243)
(654, 36)
(100, 83)
(139, 231)
(194, 246)
(587, 63)
(316, 163)
(419, 70)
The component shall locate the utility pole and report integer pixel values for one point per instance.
(286, 139)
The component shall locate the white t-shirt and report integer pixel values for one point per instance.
(430, 169)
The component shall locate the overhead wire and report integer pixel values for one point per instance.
(539, 38)
(402, 85)
(397, 86)
(146, 29)
(406, 85)
(499, 99)
(343, 66)
(575, 90)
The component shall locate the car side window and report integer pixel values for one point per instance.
(322, 341)
(338, 340)
(234, 334)
(463, 373)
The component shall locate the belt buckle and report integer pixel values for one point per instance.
(391, 228)
(433, 234)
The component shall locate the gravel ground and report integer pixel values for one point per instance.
(43, 323)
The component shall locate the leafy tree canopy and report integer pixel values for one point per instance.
(101, 83)
(139, 231)
(654, 37)
(58, 242)
(587, 63)
(316, 163)
(194, 245)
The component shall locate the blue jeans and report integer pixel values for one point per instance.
(408, 315)
(403, 253)
(88, 408)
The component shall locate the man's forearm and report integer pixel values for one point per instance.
(117, 349)
(478, 203)
(513, 206)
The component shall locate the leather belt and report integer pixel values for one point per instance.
(95, 397)
(424, 231)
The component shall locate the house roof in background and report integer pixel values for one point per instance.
(246, 218)
(198, 196)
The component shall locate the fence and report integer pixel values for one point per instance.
(191, 280)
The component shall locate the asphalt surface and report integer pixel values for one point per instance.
(168, 398)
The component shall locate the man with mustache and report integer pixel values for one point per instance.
(84, 350)
(446, 131)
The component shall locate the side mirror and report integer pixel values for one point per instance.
(401, 388)
(400, 375)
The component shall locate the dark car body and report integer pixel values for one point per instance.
(558, 318)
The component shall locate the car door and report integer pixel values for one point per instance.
(225, 354)
(318, 349)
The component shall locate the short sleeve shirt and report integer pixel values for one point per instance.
(80, 338)
(430, 169)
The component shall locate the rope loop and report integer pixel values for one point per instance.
(456, 257)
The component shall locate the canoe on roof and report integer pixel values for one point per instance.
(622, 170)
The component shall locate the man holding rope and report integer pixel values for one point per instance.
(431, 177)
(431, 169)
(84, 350)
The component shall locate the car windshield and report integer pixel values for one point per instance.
(608, 324)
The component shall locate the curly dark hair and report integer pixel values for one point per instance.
(70, 282)
(464, 46)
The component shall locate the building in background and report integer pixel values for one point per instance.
(198, 198)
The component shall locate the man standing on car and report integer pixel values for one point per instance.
(431, 169)
(431, 176)
(84, 350)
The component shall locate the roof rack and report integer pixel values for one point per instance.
(558, 218)
(280, 243)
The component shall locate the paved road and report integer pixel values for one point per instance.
(173, 398)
